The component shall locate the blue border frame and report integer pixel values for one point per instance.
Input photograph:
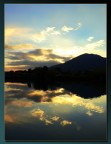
(2, 130)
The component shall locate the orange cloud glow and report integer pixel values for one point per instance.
(9, 118)
(19, 46)
(21, 103)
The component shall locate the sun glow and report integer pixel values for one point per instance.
(67, 52)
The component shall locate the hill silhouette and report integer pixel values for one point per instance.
(84, 62)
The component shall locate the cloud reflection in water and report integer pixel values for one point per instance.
(31, 100)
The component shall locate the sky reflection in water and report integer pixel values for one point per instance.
(52, 114)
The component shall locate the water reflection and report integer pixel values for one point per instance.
(65, 115)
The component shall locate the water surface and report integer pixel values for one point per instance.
(64, 112)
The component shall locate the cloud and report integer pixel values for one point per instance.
(9, 118)
(35, 58)
(41, 36)
(15, 68)
(90, 38)
(20, 34)
(47, 122)
(65, 122)
(89, 113)
(22, 103)
(93, 107)
(37, 113)
(55, 118)
(25, 64)
(55, 33)
(58, 58)
(44, 96)
(16, 56)
(15, 84)
(39, 52)
(16, 33)
(78, 26)
(49, 31)
(62, 100)
(66, 29)
(56, 96)
(19, 46)
(35, 96)
(36, 93)
(40, 114)
(94, 45)
(59, 91)
(77, 101)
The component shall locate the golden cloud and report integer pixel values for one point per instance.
(65, 122)
(19, 46)
(55, 118)
(47, 122)
(89, 113)
(93, 107)
(38, 58)
(37, 113)
(40, 114)
(37, 93)
(63, 99)
(45, 93)
(60, 90)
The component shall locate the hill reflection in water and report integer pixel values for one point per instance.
(85, 90)
(82, 89)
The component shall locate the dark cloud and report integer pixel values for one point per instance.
(33, 64)
(37, 52)
(21, 58)
(16, 56)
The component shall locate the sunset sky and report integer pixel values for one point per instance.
(47, 34)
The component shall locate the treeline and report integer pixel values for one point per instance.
(46, 74)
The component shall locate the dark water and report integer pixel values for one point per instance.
(64, 112)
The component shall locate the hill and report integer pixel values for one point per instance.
(84, 62)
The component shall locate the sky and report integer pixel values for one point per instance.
(48, 34)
